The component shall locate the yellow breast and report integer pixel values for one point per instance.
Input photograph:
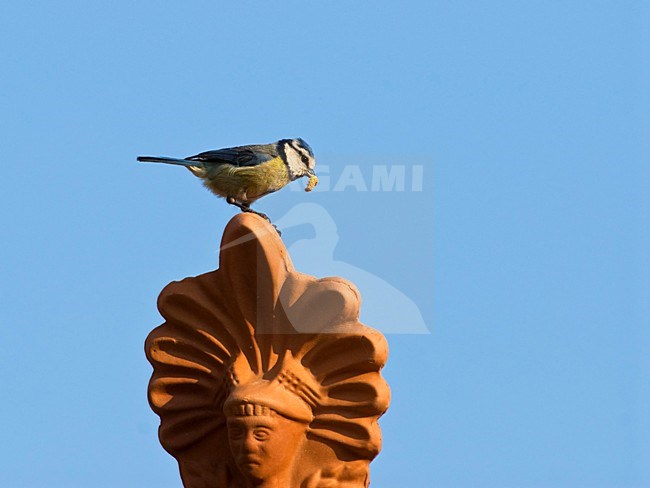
(248, 183)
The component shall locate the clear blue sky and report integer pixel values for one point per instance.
(527, 250)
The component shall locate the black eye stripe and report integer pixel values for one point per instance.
(301, 152)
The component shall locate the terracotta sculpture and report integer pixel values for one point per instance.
(263, 376)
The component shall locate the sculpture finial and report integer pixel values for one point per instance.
(257, 343)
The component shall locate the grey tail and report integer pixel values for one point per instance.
(181, 162)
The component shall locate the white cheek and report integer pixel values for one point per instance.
(294, 162)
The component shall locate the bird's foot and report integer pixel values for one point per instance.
(264, 216)
(250, 210)
(245, 207)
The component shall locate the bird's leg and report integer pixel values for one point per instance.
(246, 207)
(249, 209)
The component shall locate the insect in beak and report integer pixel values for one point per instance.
(313, 180)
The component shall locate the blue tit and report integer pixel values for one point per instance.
(243, 174)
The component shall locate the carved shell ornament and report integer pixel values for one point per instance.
(256, 341)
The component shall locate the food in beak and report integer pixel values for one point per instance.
(313, 181)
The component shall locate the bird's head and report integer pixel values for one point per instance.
(298, 157)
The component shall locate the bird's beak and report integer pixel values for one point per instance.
(310, 173)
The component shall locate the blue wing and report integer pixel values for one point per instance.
(237, 156)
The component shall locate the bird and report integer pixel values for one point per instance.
(244, 174)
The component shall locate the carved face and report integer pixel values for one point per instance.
(264, 446)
